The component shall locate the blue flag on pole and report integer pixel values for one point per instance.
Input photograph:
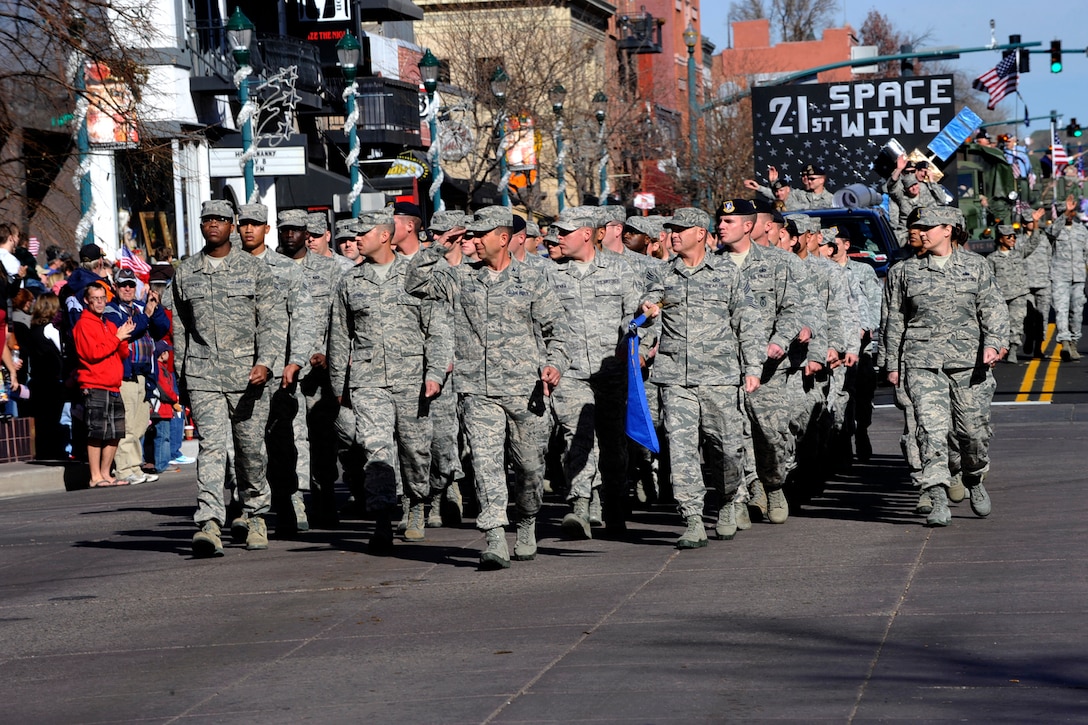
(640, 426)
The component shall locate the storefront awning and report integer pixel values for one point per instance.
(316, 188)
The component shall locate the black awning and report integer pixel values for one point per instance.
(314, 189)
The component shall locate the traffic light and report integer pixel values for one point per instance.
(1055, 56)
(906, 66)
(1023, 56)
(1073, 130)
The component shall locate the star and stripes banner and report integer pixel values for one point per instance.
(127, 260)
(1058, 157)
(999, 81)
(842, 127)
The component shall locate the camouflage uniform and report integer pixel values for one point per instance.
(1037, 271)
(939, 322)
(590, 406)
(1067, 279)
(285, 457)
(888, 361)
(1011, 277)
(699, 368)
(861, 379)
(317, 449)
(497, 368)
(771, 276)
(383, 346)
(228, 318)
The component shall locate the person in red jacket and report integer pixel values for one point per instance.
(101, 348)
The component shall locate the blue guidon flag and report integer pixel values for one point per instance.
(640, 426)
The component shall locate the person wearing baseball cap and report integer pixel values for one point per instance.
(384, 348)
(299, 338)
(510, 342)
(597, 289)
(229, 335)
(946, 325)
(711, 343)
(610, 221)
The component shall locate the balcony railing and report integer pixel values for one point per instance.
(388, 111)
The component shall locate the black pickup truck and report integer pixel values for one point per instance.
(871, 238)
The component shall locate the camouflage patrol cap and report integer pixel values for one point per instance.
(444, 221)
(369, 220)
(552, 237)
(490, 217)
(217, 207)
(292, 218)
(577, 217)
(613, 214)
(689, 217)
(317, 223)
(656, 223)
(532, 229)
(791, 228)
(344, 229)
(932, 216)
(804, 223)
(253, 213)
(827, 235)
(1005, 230)
(642, 225)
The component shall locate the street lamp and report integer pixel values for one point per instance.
(690, 39)
(240, 35)
(428, 72)
(500, 82)
(347, 52)
(557, 95)
(600, 104)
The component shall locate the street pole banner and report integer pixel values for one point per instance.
(842, 127)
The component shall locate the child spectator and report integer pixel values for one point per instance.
(165, 406)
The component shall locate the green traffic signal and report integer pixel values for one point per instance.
(1055, 56)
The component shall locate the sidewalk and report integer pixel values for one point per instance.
(35, 477)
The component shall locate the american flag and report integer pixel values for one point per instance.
(998, 82)
(128, 260)
(1058, 157)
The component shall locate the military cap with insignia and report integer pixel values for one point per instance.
(735, 207)
(344, 229)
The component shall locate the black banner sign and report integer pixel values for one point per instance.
(842, 126)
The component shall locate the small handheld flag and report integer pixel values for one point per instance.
(640, 425)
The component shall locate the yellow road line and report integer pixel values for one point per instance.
(1051, 379)
(1033, 368)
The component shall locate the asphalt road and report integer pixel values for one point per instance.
(850, 612)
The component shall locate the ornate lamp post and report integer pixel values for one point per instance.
(600, 104)
(690, 39)
(347, 51)
(499, 84)
(240, 35)
(428, 72)
(557, 95)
